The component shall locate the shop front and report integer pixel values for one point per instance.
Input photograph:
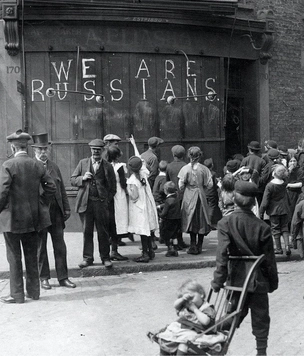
(114, 68)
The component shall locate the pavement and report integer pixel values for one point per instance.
(110, 315)
(131, 250)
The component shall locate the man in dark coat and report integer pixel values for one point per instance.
(60, 211)
(23, 212)
(96, 181)
(243, 234)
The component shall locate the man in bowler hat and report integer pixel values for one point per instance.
(23, 212)
(96, 181)
(60, 211)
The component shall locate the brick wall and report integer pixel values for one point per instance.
(286, 69)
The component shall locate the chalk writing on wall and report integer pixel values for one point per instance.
(64, 75)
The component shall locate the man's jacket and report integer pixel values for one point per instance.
(85, 165)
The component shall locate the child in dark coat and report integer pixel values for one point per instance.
(275, 203)
(170, 219)
(160, 180)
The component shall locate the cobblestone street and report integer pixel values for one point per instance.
(110, 315)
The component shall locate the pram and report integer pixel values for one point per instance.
(228, 312)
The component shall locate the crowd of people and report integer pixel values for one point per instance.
(257, 201)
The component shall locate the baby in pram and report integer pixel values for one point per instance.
(195, 316)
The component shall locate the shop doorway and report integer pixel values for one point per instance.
(234, 127)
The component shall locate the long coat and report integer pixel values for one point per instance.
(193, 181)
(60, 195)
(22, 208)
(85, 165)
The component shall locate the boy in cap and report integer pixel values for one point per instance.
(151, 157)
(173, 168)
(158, 188)
(96, 180)
(243, 234)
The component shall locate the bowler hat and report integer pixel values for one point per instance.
(19, 135)
(111, 137)
(245, 188)
(178, 151)
(41, 140)
(273, 153)
(254, 145)
(155, 141)
(135, 163)
(283, 150)
(96, 143)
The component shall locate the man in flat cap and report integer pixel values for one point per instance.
(243, 234)
(151, 157)
(60, 211)
(96, 181)
(23, 212)
(109, 140)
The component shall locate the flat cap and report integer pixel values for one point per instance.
(271, 144)
(178, 151)
(19, 135)
(233, 165)
(155, 141)
(135, 163)
(96, 143)
(245, 188)
(111, 137)
(254, 145)
(273, 153)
